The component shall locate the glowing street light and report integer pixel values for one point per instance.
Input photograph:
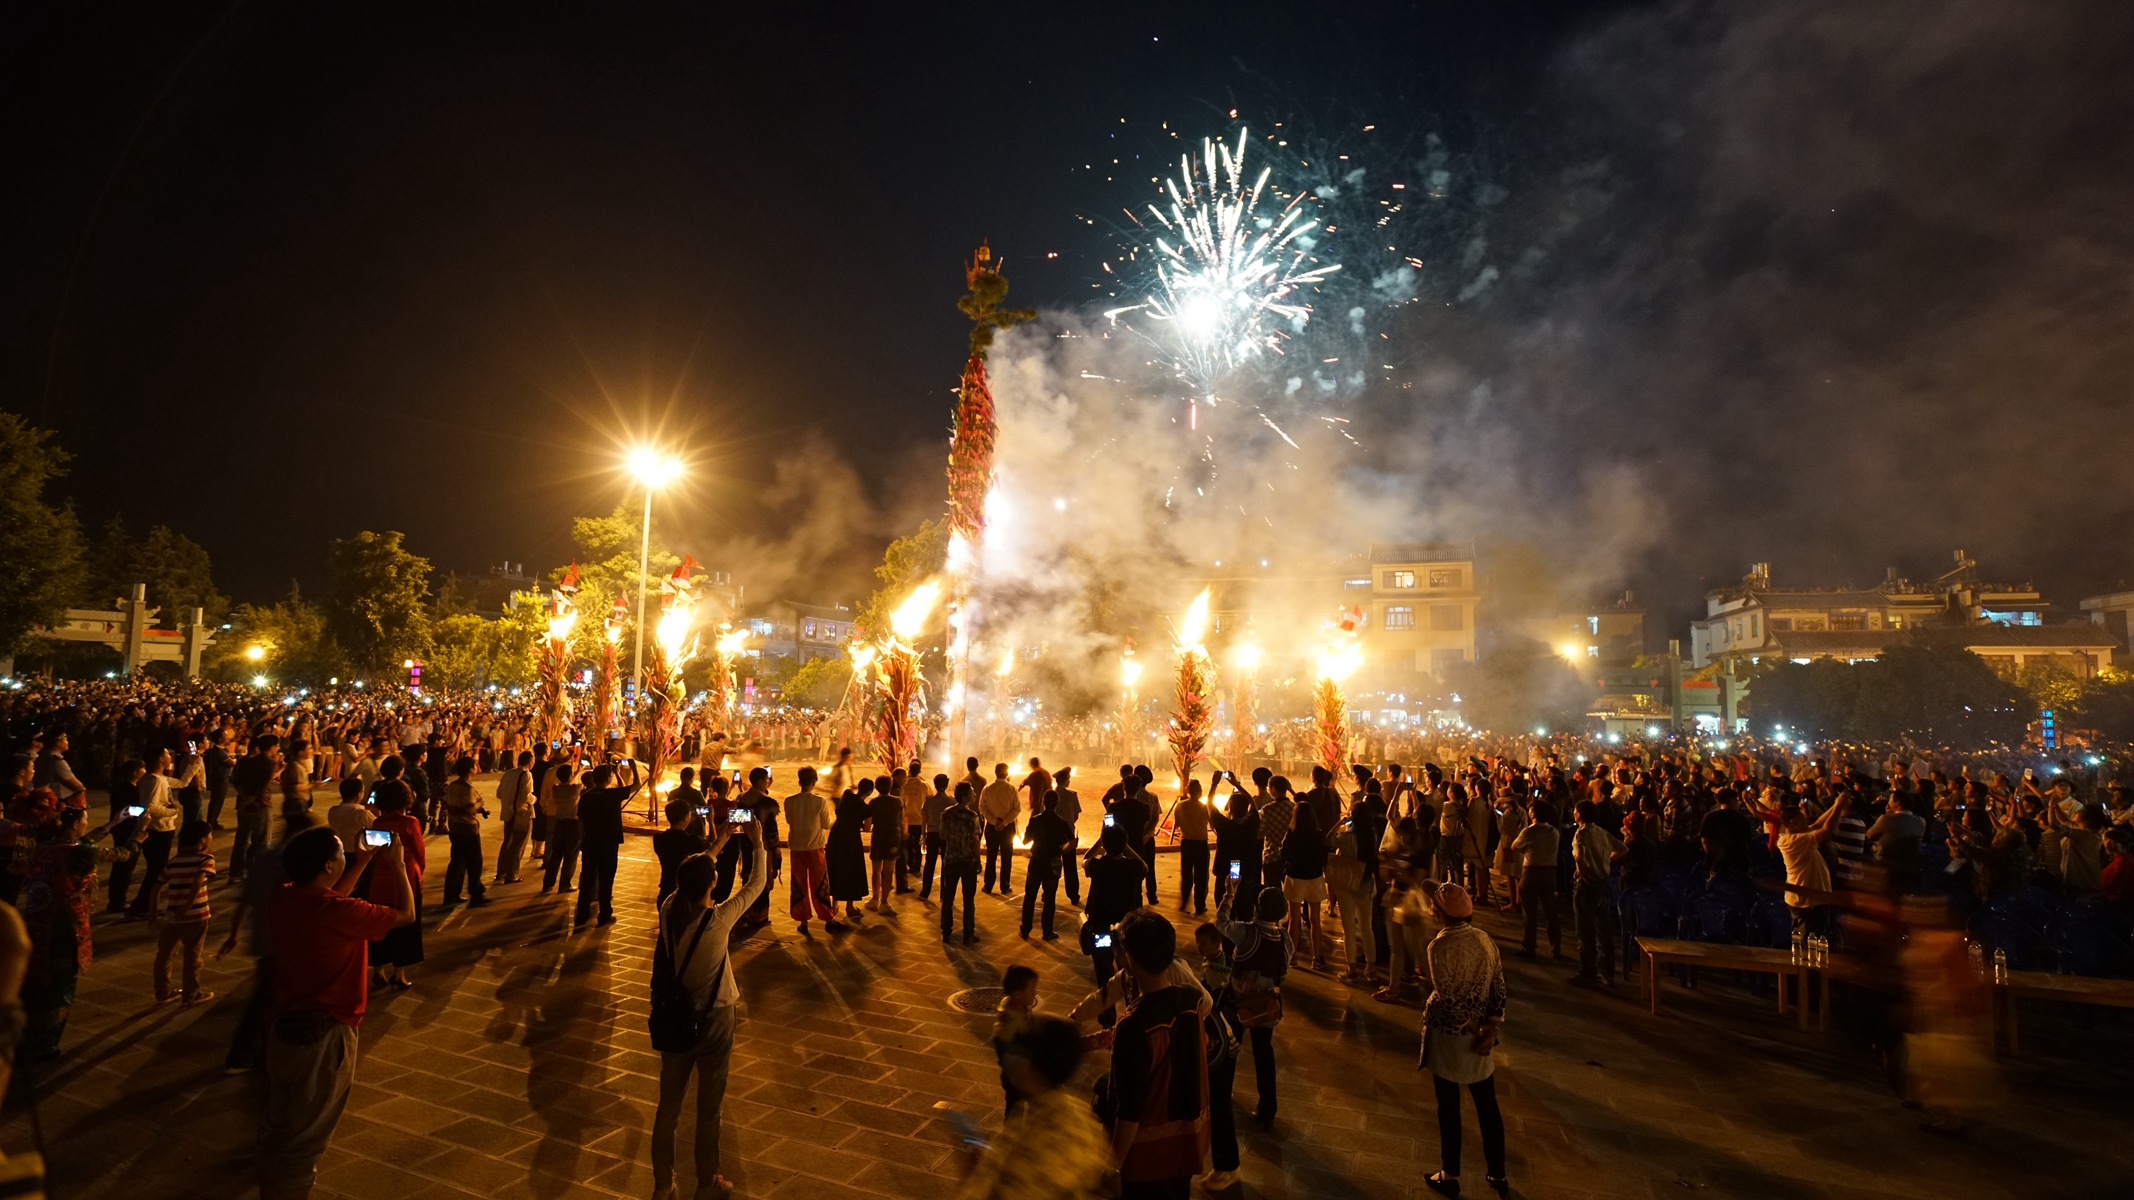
(655, 470)
(255, 653)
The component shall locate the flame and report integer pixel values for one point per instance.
(1247, 656)
(559, 626)
(1339, 660)
(614, 633)
(1195, 623)
(911, 615)
(1007, 662)
(1129, 670)
(862, 655)
(730, 644)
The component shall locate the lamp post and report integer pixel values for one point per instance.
(655, 471)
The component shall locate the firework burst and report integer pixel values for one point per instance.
(1227, 277)
(1195, 714)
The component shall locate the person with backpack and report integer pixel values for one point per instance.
(1257, 966)
(1156, 1097)
(693, 1008)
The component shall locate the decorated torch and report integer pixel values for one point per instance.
(1244, 702)
(660, 708)
(898, 680)
(1330, 708)
(1194, 715)
(554, 705)
(606, 718)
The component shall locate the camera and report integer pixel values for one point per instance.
(377, 839)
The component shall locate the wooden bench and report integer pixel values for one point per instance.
(1659, 952)
(2043, 985)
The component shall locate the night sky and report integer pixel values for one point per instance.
(1831, 285)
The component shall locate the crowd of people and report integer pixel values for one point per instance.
(1371, 876)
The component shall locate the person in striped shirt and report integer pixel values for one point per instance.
(182, 913)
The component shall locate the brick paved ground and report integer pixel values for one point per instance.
(518, 1066)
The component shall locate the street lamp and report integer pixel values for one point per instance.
(655, 470)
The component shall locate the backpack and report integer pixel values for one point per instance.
(676, 1022)
(1259, 999)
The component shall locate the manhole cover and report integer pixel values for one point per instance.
(985, 1000)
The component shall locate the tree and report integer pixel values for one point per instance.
(607, 568)
(40, 544)
(175, 568)
(378, 611)
(908, 562)
(2107, 705)
(1929, 690)
(291, 636)
(820, 683)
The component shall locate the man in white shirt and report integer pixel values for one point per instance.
(351, 816)
(807, 828)
(1593, 850)
(998, 807)
(160, 826)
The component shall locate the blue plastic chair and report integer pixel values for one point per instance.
(2082, 942)
(1997, 929)
(1770, 926)
(1646, 912)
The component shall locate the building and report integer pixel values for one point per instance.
(1608, 634)
(2110, 612)
(791, 629)
(2009, 625)
(1419, 618)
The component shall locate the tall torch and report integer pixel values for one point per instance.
(606, 718)
(1330, 709)
(660, 708)
(970, 471)
(554, 709)
(1195, 715)
(719, 703)
(898, 678)
(1001, 675)
(859, 695)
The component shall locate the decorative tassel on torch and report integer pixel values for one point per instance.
(719, 690)
(1195, 714)
(898, 680)
(970, 468)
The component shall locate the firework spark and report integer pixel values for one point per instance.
(1227, 276)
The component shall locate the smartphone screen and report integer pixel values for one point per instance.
(1102, 941)
(741, 816)
(736, 776)
(1235, 867)
(135, 810)
(1109, 821)
(703, 810)
(377, 839)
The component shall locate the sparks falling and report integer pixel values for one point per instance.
(1227, 278)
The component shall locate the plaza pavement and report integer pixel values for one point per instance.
(518, 1066)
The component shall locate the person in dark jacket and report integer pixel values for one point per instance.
(1115, 874)
(1304, 878)
(847, 851)
(600, 839)
(1237, 848)
(885, 820)
(1048, 835)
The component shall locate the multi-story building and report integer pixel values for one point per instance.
(791, 629)
(2006, 624)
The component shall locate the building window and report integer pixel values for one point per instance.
(1756, 629)
(1593, 626)
(1400, 616)
(807, 630)
(1447, 617)
(1782, 624)
(1808, 624)
(1448, 577)
(1848, 620)
(1593, 652)
(1356, 585)
(1894, 620)
(1399, 580)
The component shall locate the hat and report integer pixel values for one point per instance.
(1455, 901)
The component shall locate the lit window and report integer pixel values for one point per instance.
(1353, 585)
(1447, 578)
(1399, 580)
(1400, 616)
(1593, 626)
(1593, 652)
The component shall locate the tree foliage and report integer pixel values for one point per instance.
(292, 634)
(1932, 693)
(819, 682)
(39, 542)
(607, 550)
(379, 610)
(176, 569)
(908, 562)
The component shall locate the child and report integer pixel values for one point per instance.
(1020, 984)
(182, 912)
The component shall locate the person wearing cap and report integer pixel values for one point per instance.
(1460, 1024)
